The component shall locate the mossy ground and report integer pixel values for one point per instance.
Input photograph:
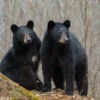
(12, 91)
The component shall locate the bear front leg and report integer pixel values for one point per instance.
(82, 83)
(69, 74)
(69, 77)
(39, 84)
(47, 77)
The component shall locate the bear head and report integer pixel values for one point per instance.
(23, 34)
(59, 32)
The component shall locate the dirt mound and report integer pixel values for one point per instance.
(59, 95)
(12, 91)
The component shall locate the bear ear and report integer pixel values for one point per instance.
(67, 23)
(51, 24)
(14, 28)
(30, 24)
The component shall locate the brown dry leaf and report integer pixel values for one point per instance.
(54, 95)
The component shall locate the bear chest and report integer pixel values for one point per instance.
(34, 58)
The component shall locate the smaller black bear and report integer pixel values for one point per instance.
(17, 63)
(63, 57)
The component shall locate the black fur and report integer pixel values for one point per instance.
(63, 61)
(17, 63)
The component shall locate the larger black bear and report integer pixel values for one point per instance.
(63, 57)
(17, 63)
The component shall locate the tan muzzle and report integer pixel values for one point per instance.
(63, 38)
(27, 38)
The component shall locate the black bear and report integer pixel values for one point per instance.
(63, 58)
(20, 64)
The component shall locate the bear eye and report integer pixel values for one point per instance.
(29, 34)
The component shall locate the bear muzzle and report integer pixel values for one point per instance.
(27, 39)
(63, 38)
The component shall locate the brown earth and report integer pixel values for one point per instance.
(12, 91)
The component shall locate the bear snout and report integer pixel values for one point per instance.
(27, 39)
(63, 38)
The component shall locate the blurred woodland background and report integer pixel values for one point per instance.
(85, 24)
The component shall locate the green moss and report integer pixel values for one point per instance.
(4, 77)
(28, 93)
(16, 91)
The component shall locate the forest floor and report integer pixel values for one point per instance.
(12, 91)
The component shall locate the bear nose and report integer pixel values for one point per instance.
(29, 40)
(63, 38)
